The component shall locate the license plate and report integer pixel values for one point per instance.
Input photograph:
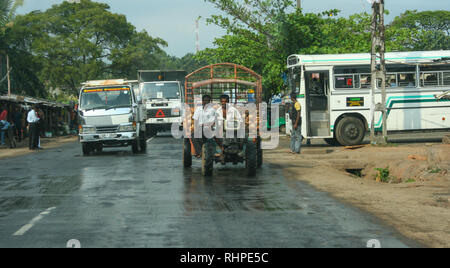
(107, 135)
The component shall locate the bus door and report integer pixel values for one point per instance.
(317, 94)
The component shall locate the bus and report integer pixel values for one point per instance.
(334, 91)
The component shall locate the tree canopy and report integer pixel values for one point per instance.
(75, 42)
(261, 34)
(428, 30)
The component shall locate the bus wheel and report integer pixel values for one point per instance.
(187, 155)
(350, 131)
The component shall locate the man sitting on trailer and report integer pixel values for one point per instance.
(203, 116)
(226, 113)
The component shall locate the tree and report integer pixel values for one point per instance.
(7, 15)
(427, 30)
(76, 42)
(262, 34)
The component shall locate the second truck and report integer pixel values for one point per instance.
(163, 93)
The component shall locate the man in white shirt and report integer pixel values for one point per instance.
(226, 113)
(203, 116)
(32, 120)
(231, 113)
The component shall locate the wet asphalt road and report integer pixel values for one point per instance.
(117, 199)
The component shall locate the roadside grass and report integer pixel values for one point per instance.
(385, 145)
(434, 170)
(383, 176)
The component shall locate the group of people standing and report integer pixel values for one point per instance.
(18, 121)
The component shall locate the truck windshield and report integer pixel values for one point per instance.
(163, 90)
(105, 98)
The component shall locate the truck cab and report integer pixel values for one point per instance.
(111, 114)
(163, 94)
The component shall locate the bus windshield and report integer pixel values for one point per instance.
(105, 98)
(294, 79)
(162, 90)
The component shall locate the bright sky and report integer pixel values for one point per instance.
(174, 20)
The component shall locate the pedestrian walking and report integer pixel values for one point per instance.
(33, 120)
(4, 124)
(296, 132)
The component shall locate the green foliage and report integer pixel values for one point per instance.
(262, 34)
(78, 42)
(434, 170)
(427, 30)
(383, 174)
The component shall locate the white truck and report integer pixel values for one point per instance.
(163, 94)
(111, 114)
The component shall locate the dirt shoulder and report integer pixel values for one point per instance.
(414, 197)
(46, 143)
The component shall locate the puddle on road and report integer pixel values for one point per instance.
(229, 189)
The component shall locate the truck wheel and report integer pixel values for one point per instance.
(350, 131)
(207, 159)
(143, 142)
(251, 159)
(99, 148)
(135, 147)
(86, 148)
(260, 154)
(187, 155)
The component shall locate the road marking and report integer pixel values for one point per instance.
(152, 138)
(30, 225)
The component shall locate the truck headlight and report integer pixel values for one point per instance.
(87, 130)
(126, 128)
(176, 111)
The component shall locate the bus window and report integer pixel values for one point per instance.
(391, 81)
(294, 79)
(346, 81)
(446, 79)
(365, 81)
(316, 84)
(406, 79)
(430, 79)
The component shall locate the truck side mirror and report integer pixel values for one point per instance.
(139, 99)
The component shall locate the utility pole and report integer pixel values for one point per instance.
(7, 73)
(299, 4)
(378, 72)
(197, 41)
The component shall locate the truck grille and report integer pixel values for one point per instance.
(160, 113)
(108, 129)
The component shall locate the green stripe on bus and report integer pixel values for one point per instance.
(407, 58)
(402, 99)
